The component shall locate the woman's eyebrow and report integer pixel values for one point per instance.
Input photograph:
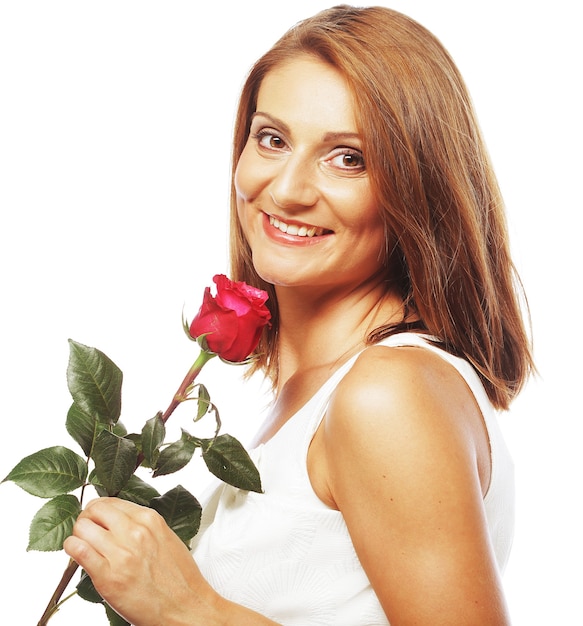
(328, 137)
(274, 120)
(337, 136)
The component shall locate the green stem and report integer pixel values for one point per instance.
(190, 377)
(182, 393)
(55, 602)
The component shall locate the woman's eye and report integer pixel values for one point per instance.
(268, 139)
(348, 159)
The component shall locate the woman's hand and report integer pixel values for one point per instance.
(139, 565)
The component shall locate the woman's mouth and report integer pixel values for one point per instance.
(297, 230)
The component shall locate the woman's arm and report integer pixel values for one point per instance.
(145, 572)
(407, 460)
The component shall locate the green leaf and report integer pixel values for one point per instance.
(152, 438)
(119, 429)
(136, 438)
(136, 490)
(50, 472)
(114, 618)
(86, 589)
(115, 461)
(176, 455)
(94, 382)
(228, 460)
(84, 428)
(53, 523)
(181, 510)
(203, 402)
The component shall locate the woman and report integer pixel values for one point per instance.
(364, 202)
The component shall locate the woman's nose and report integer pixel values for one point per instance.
(293, 184)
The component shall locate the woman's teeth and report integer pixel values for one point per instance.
(294, 229)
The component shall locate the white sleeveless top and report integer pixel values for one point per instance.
(287, 555)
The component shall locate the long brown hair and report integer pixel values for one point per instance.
(446, 237)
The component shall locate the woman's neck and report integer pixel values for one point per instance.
(320, 329)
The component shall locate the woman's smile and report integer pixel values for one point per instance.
(294, 229)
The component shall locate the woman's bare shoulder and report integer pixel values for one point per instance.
(387, 384)
(405, 411)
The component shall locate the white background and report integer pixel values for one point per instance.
(115, 121)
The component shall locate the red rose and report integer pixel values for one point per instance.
(233, 319)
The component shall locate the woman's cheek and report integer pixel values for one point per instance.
(248, 185)
(244, 173)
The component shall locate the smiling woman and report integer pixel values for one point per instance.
(363, 200)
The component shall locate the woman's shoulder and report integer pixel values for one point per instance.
(406, 403)
(404, 378)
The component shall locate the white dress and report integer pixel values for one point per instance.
(287, 555)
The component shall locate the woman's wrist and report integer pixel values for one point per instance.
(232, 614)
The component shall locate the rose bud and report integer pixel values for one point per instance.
(233, 320)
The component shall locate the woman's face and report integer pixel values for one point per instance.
(304, 196)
